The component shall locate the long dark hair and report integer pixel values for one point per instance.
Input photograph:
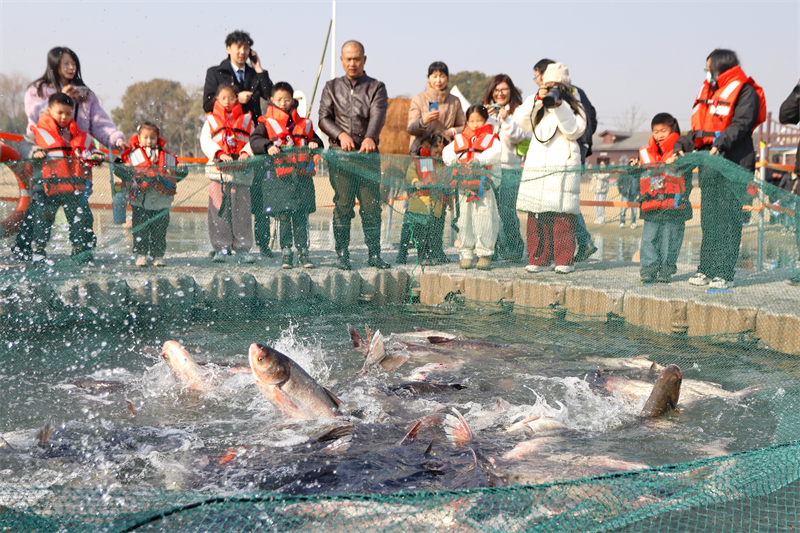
(566, 96)
(51, 76)
(722, 60)
(515, 97)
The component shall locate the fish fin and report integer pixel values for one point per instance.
(5, 445)
(429, 449)
(284, 399)
(438, 340)
(228, 458)
(44, 434)
(746, 393)
(411, 436)
(358, 342)
(130, 407)
(333, 397)
(457, 429)
(375, 353)
(396, 360)
(368, 333)
(336, 433)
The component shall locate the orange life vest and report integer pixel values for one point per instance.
(231, 137)
(289, 132)
(467, 145)
(72, 167)
(658, 189)
(713, 109)
(145, 176)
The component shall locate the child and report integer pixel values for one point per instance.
(283, 134)
(478, 217)
(65, 180)
(664, 199)
(152, 184)
(224, 139)
(425, 204)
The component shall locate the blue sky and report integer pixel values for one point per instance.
(649, 54)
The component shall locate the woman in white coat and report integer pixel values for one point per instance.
(550, 188)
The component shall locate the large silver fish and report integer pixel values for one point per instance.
(288, 387)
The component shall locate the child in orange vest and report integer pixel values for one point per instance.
(152, 183)
(664, 200)
(65, 181)
(478, 217)
(224, 140)
(285, 135)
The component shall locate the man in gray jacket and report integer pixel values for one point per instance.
(351, 113)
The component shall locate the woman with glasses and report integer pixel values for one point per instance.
(501, 100)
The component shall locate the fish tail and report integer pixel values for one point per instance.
(411, 436)
(358, 342)
(457, 429)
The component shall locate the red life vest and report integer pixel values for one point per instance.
(713, 110)
(231, 137)
(426, 171)
(72, 167)
(466, 145)
(288, 132)
(660, 190)
(164, 179)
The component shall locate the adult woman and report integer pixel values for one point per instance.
(501, 100)
(436, 112)
(727, 110)
(63, 74)
(550, 187)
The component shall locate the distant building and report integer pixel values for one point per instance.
(616, 147)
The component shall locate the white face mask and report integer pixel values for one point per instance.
(710, 77)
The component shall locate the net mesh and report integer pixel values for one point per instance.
(749, 490)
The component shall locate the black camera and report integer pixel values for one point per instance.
(552, 97)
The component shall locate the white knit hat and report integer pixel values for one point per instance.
(558, 73)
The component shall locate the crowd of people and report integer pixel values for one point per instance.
(467, 161)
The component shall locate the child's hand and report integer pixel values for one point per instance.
(273, 150)
(225, 157)
(313, 146)
(98, 157)
(671, 159)
(39, 154)
(243, 156)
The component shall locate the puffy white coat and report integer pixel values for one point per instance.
(547, 183)
(511, 134)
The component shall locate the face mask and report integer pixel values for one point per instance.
(712, 79)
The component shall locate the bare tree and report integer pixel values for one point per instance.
(12, 103)
(630, 120)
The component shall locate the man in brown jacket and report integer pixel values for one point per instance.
(351, 113)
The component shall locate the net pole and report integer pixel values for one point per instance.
(762, 175)
(319, 71)
(333, 41)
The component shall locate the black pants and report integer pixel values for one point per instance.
(34, 232)
(261, 222)
(293, 230)
(360, 180)
(721, 223)
(151, 238)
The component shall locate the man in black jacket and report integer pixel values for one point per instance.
(252, 83)
(790, 114)
(352, 113)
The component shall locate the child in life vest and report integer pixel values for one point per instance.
(426, 200)
(151, 175)
(287, 137)
(664, 200)
(471, 152)
(224, 140)
(65, 181)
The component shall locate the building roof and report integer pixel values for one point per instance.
(623, 141)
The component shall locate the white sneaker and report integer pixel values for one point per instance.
(245, 257)
(719, 283)
(633, 226)
(539, 268)
(621, 224)
(565, 269)
(219, 257)
(699, 279)
(159, 262)
(141, 260)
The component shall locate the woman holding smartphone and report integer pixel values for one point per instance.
(63, 74)
(435, 111)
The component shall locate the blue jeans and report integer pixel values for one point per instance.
(661, 245)
(622, 211)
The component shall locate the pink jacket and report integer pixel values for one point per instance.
(91, 117)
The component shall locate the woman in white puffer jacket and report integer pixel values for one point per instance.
(550, 189)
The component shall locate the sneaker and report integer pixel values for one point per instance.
(245, 257)
(719, 283)
(633, 225)
(377, 262)
(266, 252)
(565, 269)
(585, 252)
(621, 224)
(305, 261)
(141, 260)
(663, 277)
(699, 279)
(287, 262)
(220, 257)
(539, 268)
(484, 263)
(466, 264)
(159, 262)
(647, 280)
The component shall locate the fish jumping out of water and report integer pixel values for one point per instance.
(665, 394)
(378, 357)
(193, 375)
(288, 387)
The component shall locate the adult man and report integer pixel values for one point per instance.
(585, 245)
(790, 114)
(252, 83)
(351, 113)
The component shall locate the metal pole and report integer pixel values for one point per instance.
(333, 43)
(762, 175)
(319, 70)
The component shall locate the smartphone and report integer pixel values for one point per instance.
(433, 106)
(83, 91)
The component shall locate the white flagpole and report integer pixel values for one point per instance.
(333, 42)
